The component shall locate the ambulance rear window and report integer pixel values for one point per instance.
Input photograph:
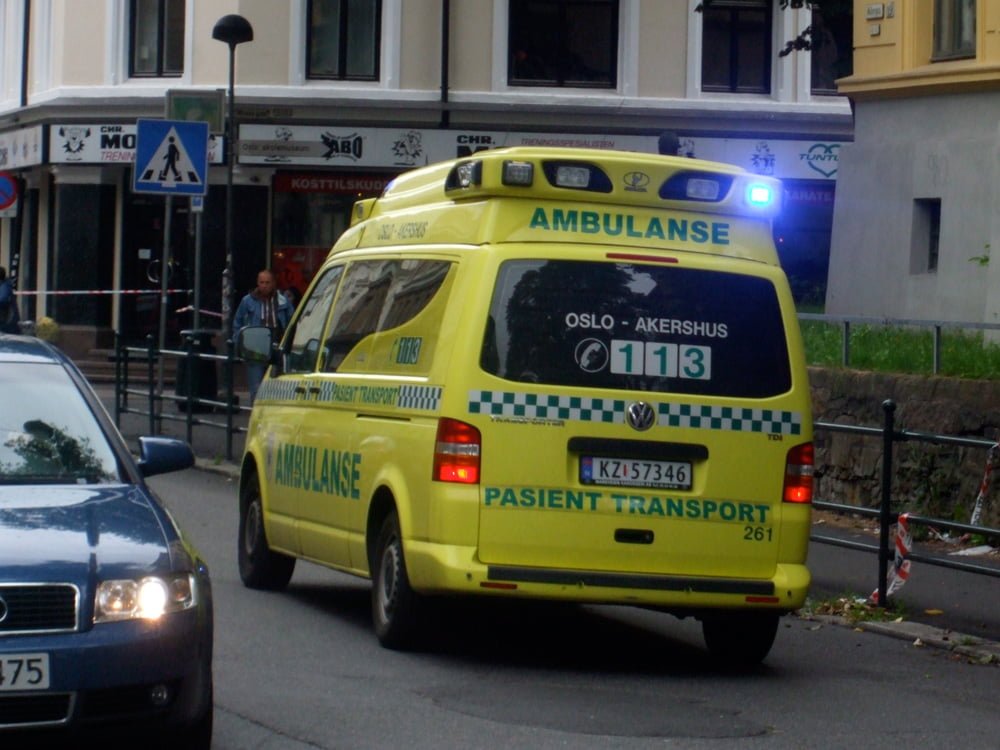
(638, 327)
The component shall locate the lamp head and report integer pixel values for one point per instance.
(233, 29)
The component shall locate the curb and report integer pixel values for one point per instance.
(978, 650)
(214, 466)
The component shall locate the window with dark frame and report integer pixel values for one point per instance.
(342, 40)
(736, 47)
(832, 55)
(926, 238)
(954, 29)
(568, 43)
(156, 38)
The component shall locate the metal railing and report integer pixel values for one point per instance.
(887, 517)
(936, 326)
(192, 366)
(152, 397)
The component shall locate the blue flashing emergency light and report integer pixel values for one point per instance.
(759, 195)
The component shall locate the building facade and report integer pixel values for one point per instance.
(333, 99)
(915, 218)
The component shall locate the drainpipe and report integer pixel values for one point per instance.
(445, 33)
(25, 35)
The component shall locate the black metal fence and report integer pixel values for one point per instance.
(196, 391)
(196, 365)
(888, 516)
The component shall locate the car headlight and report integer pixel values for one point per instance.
(147, 599)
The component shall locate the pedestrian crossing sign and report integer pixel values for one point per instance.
(171, 157)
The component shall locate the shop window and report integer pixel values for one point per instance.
(342, 39)
(832, 51)
(926, 236)
(157, 38)
(954, 29)
(570, 43)
(736, 47)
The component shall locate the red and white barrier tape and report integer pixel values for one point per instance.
(203, 311)
(899, 573)
(984, 486)
(60, 292)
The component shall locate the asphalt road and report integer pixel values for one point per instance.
(302, 669)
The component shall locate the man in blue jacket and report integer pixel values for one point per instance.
(9, 317)
(263, 306)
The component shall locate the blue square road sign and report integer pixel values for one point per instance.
(171, 157)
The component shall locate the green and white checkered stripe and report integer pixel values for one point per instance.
(541, 406)
(281, 389)
(770, 421)
(423, 397)
(612, 411)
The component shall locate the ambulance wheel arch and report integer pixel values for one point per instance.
(259, 566)
(395, 605)
(742, 638)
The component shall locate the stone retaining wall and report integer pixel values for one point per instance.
(936, 481)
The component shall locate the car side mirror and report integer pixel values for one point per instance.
(159, 455)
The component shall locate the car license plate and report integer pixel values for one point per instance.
(630, 472)
(24, 672)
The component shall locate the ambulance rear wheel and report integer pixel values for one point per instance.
(394, 604)
(260, 568)
(740, 639)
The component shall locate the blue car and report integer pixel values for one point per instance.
(105, 607)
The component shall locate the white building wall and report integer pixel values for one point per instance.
(905, 150)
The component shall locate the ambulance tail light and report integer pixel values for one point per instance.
(465, 175)
(696, 186)
(518, 173)
(456, 452)
(577, 175)
(799, 474)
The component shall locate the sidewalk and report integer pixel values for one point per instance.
(947, 609)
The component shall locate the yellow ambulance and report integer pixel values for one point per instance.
(544, 373)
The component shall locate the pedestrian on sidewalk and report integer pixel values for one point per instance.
(264, 305)
(9, 317)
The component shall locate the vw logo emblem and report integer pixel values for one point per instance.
(640, 416)
(637, 182)
(3, 609)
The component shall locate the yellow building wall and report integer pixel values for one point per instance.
(893, 55)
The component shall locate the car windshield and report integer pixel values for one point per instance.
(48, 434)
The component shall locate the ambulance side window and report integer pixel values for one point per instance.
(356, 313)
(378, 296)
(308, 327)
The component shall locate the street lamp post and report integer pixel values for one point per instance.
(232, 29)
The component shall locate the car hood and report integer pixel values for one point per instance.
(72, 533)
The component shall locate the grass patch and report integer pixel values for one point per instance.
(853, 608)
(903, 350)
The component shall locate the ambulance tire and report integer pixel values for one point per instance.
(395, 606)
(260, 568)
(740, 639)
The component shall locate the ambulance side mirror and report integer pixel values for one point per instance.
(255, 344)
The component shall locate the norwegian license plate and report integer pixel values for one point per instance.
(631, 472)
(24, 672)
